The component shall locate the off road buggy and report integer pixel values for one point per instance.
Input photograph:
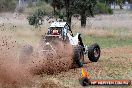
(61, 31)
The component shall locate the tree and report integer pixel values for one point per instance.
(7, 5)
(37, 18)
(57, 5)
(120, 3)
(89, 8)
(76, 7)
(83, 6)
(72, 7)
(68, 11)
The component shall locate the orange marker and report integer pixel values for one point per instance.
(84, 73)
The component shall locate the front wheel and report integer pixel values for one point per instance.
(78, 56)
(94, 52)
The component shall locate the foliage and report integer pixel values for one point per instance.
(79, 7)
(30, 4)
(84, 8)
(70, 7)
(66, 8)
(101, 8)
(120, 3)
(61, 16)
(7, 5)
(39, 3)
(43, 6)
(37, 18)
(20, 9)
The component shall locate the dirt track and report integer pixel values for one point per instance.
(114, 63)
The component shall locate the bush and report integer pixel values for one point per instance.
(37, 18)
(20, 9)
(101, 8)
(7, 5)
(30, 4)
(110, 11)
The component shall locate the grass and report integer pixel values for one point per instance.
(107, 41)
(44, 6)
(107, 30)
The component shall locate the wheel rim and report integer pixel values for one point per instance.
(96, 52)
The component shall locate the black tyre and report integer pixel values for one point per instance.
(94, 52)
(78, 56)
(84, 81)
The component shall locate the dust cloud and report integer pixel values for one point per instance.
(51, 62)
(19, 64)
(11, 71)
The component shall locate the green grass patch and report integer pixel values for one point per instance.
(107, 41)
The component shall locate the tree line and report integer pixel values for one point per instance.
(73, 7)
(84, 8)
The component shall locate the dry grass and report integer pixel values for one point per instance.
(106, 25)
(117, 25)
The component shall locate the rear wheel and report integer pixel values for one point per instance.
(78, 56)
(94, 52)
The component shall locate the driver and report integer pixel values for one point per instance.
(55, 31)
